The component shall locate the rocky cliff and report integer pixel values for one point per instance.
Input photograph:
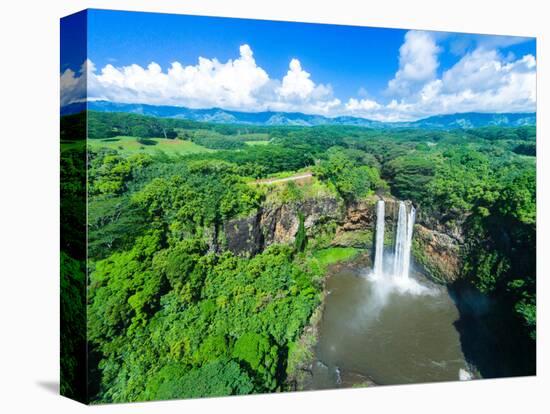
(437, 254)
(279, 224)
(436, 246)
(274, 224)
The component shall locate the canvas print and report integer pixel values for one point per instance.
(255, 206)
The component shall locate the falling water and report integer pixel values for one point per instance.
(408, 242)
(403, 241)
(379, 246)
(400, 240)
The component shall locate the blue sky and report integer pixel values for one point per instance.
(250, 65)
(335, 54)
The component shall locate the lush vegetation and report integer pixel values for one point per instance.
(172, 314)
(73, 260)
(335, 255)
(163, 317)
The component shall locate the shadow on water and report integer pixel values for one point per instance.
(491, 337)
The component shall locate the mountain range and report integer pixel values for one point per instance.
(222, 116)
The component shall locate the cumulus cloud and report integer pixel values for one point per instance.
(418, 63)
(232, 84)
(298, 92)
(239, 84)
(297, 85)
(362, 105)
(482, 80)
(484, 70)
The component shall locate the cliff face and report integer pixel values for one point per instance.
(274, 224)
(361, 215)
(436, 246)
(437, 253)
(244, 236)
(443, 224)
(279, 224)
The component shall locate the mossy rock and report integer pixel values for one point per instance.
(429, 268)
(358, 238)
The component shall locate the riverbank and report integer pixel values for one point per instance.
(302, 361)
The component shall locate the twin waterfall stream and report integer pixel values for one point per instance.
(403, 242)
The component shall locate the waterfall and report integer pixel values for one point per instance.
(408, 242)
(400, 240)
(379, 246)
(403, 241)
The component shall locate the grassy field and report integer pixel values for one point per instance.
(130, 145)
(256, 142)
(335, 254)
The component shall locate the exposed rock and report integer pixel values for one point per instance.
(448, 224)
(359, 216)
(243, 236)
(352, 379)
(438, 253)
(278, 224)
(359, 222)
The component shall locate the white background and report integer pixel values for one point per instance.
(29, 203)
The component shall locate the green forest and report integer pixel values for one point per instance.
(173, 313)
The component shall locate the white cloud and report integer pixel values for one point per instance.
(296, 83)
(238, 84)
(483, 80)
(362, 105)
(72, 85)
(298, 92)
(486, 70)
(208, 83)
(418, 63)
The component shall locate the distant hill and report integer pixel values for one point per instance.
(222, 116)
(475, 120)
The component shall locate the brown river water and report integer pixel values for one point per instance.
(372, 332)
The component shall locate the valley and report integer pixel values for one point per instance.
(244, 255)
